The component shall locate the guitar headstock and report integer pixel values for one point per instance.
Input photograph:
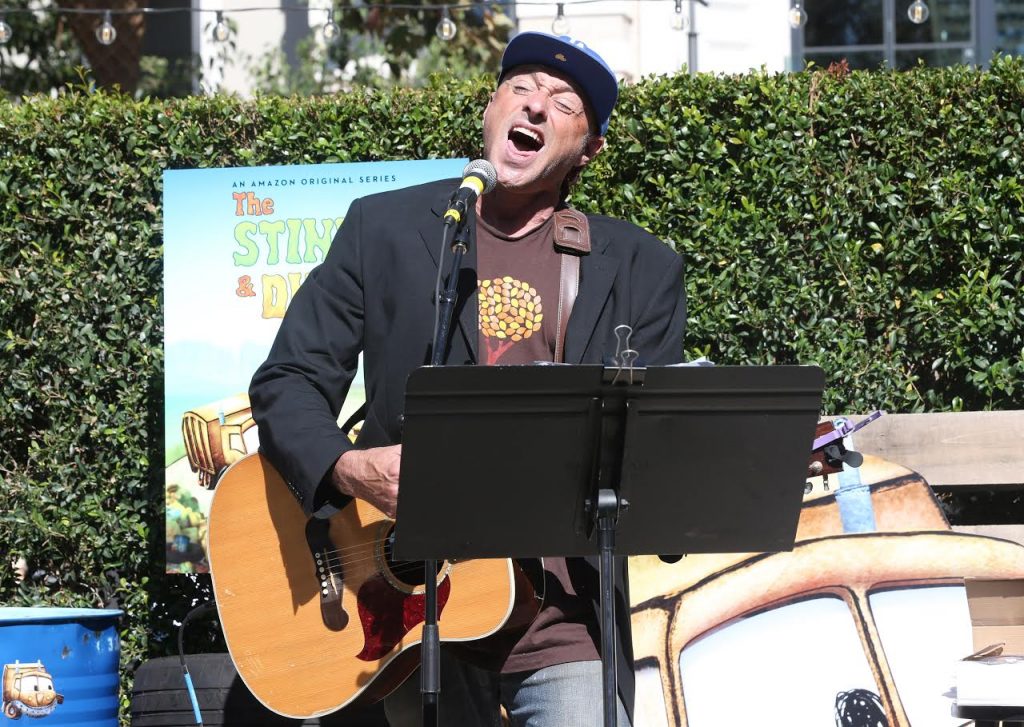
(828, 453)
(828, 457)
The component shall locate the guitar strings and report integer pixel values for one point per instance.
(356, 547)
(411, 572)
(373, 542)
(346, 562)
(340, 557)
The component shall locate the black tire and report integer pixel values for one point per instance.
(160, 698)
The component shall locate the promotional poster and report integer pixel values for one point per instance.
(238, 243)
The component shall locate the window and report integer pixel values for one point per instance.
(924, 631)
(1010, 27)
(787, 666)
(878, 33)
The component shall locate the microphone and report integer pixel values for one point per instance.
(479, 178)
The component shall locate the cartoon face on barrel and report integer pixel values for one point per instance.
(28, 691)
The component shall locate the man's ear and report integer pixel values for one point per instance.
(594, 146)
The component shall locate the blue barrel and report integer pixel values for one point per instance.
(60, 666)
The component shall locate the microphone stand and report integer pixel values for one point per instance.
(430, 656)
(448, 296)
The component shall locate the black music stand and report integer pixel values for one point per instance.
(662, 460)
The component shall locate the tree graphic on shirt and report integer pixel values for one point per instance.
(510, 311)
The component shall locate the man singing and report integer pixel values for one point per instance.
(577, 276)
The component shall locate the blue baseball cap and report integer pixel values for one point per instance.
(575, 60)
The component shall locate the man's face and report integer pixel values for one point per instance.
(536, 130)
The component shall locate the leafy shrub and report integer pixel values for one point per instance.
(869, 223)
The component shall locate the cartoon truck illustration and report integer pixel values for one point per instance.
(217, 435)
(860, 624)
(28, 690)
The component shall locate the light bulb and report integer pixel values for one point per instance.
(331, 30)
(797, 17)
(679, 21)
(918, 12)
(446, 28)
(560, 25)
(106, 34)
(5, 31)
(221, 31)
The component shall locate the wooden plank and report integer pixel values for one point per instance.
(979, 448)
(1003, 532)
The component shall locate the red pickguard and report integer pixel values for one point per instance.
(387, 614)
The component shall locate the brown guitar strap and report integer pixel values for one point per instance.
(572, 241)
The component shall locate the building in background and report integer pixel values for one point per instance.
(638, 39)
(873, 33)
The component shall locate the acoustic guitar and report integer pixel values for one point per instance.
(317, 614)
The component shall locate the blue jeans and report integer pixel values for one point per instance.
(564, 695)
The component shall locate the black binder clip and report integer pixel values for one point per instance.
(625, 356)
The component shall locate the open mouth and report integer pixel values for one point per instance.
(525, 140)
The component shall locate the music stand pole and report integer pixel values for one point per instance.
(607, 513)
(605, 505)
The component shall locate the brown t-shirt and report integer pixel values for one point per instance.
(518, 299)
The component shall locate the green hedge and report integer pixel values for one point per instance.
(869, 223)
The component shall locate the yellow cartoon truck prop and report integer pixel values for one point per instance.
(861, 623)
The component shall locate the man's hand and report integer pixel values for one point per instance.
(371, 475)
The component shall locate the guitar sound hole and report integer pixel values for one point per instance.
(409, 572)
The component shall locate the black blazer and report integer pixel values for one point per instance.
(374, 294)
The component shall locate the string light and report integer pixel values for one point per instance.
(106, 33)
(331, 30)
(796, 16)
(221, 31)
(446, 28)
(918, 12)
(678, 19)
(560, 25)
